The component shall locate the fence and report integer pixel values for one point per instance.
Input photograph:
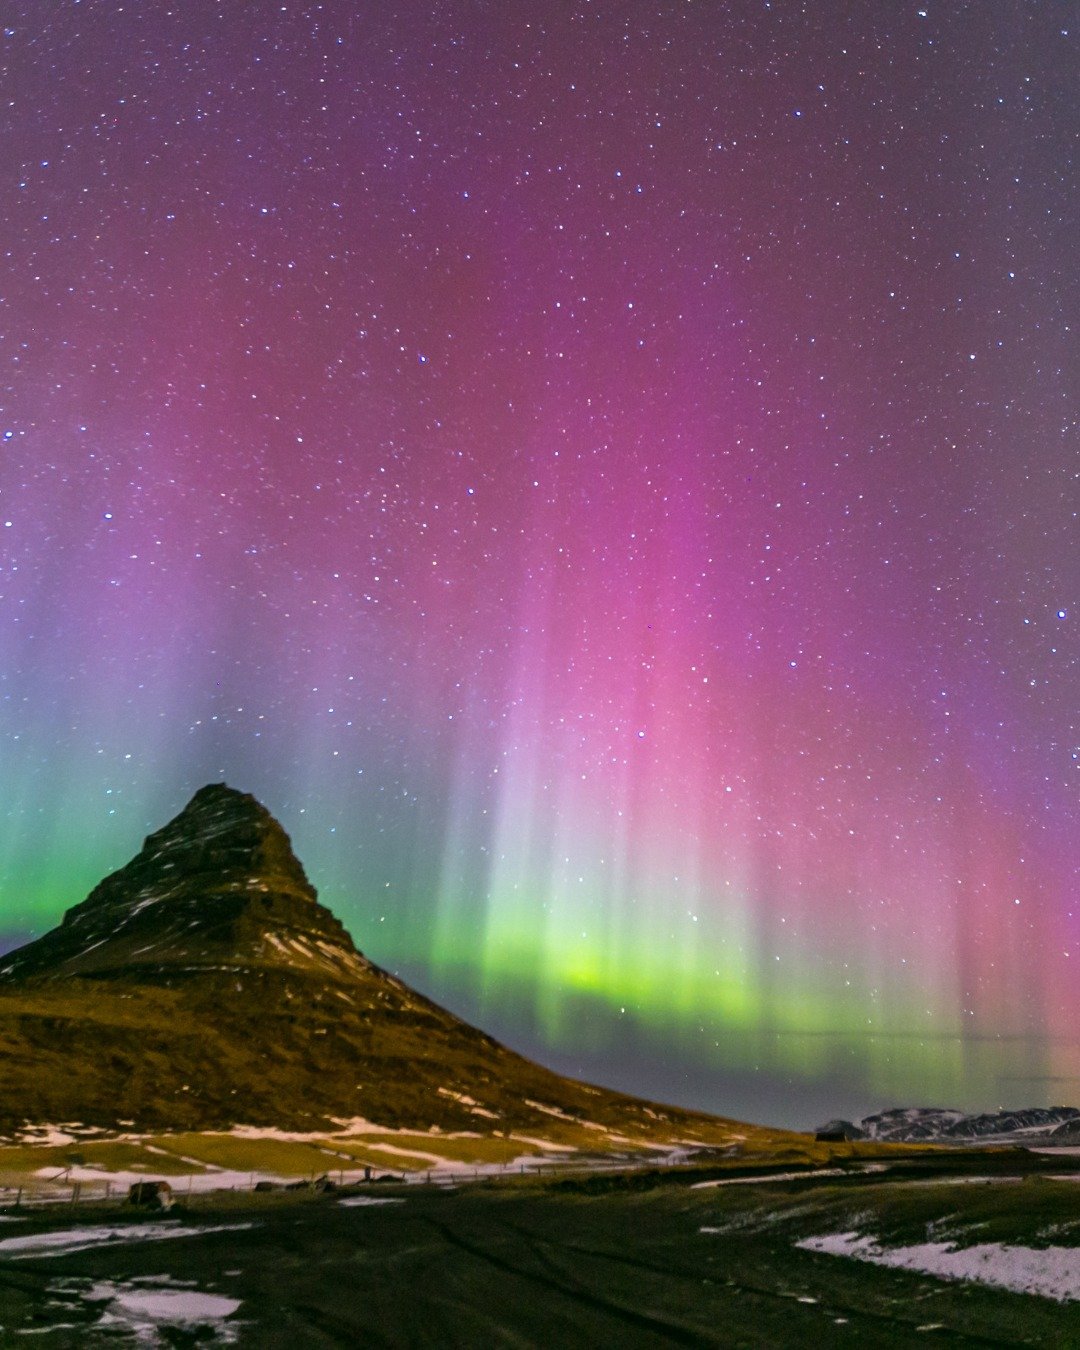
(191, 1188)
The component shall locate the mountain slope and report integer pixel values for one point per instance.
(203, 985)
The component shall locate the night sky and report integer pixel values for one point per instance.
(605, 475)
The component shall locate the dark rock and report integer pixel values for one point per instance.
(151, 1195)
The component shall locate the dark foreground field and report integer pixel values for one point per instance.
(568, 1264)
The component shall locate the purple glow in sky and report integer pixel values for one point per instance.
(605, 476)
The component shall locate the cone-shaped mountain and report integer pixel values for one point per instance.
(203, 985)
(218, 885)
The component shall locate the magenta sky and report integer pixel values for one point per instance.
(606, 476)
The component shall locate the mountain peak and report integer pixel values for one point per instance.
(203, 985)
(226, 835)
(221, 795)
(218, 887)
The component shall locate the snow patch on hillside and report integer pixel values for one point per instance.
(1050, 1272)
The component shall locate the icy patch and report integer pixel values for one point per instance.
(1050, 1272)
(214, 1178)
(93, 946)
(544, 1145)
(475, 1109)
(553, 1111)
(959, 1181)
(760, 1222)
(461, 1097)
(340, 956)
(287, 1136)
(54, 1136)
(346, 1129)
(434, 1159)
(354, 1200)
(182, 1157)
(773, 1176)
(150, 899)
(83, 1239)
(145, 1311)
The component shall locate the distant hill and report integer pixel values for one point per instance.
(203, 985)
(927, 1125)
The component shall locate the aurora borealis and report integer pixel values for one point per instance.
(606, 476)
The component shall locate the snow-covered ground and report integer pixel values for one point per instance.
(543, 1145)
(97, 1182)
(56, 1136)
(69, 1240)
(407, 1154)
(94, 1181)
(413, 1154)
(1052, 1272)
(144, 1309)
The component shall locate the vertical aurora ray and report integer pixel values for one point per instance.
(685, 841)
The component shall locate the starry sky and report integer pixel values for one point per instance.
(605, 475)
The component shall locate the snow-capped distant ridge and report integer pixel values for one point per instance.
(930, 1124)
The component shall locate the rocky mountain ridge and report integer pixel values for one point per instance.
(926, 1125)
(219, 886)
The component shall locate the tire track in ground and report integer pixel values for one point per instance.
(697, 1278)
(569, 1288)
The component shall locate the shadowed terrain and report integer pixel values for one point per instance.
(652, 1260)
